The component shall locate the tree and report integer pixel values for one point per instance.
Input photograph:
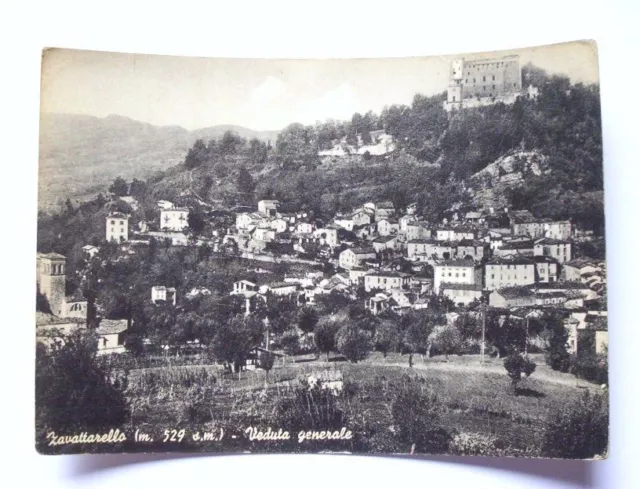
(235, 338)
(266, 360)
(290, 342)
(196, 220)
(415, 337)
(245, 184)
(446, 339)
(197, 155)
(325, 336)
(119, 187)
(230, 143)
(354, 343)
(516, 366)
(579, 430)
(556, 354)
(307, 319)
(387, 337)
(74, 392)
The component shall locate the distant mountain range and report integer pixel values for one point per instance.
(80, 155)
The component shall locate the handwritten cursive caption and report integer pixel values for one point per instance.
(175, 435)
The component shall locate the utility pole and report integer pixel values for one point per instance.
(526, 340)
(484, 327)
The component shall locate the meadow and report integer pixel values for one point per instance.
(470, 399)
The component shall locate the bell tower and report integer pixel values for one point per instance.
(51, 278)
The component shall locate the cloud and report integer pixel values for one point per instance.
(269, 90)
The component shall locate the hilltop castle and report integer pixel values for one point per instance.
(479, 82)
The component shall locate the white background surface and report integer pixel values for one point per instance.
(300, 30)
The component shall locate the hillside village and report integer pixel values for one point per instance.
(432, 278)
(384, 258)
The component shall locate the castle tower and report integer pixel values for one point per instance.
(51, 268)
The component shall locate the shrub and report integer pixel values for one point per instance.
(446, 339)
(518, 365)
(74, 392)
(416, 411)
(591, 367)
(579, 430)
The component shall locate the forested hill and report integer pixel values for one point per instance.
(80, 155)
(438, 160)
(544, 155)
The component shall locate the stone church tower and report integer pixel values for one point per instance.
(51, 269)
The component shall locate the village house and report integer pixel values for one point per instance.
(387, 226)
(571, 289)
(384, 280)
(111, 333)
(412, 208)
(354, 257)
(242, 287)
(509, 272)
(247, 220)
(455, 234)
(516, 247)
(278, 224)
(327, 235)
(455, 272)
(356, 275)
(304, 228)
(384, 210)
(263, 233)
(546, 269)
(575, 269)
(174, 219)
(550, 299)
(165, 204)
(279, 288)
(428, 249)
(382, 243)
(377, 303)
(474, 217)
(268, 208)
(90, 251)
(405, 220)
(162, 294)
(541, 228)
(117, 227)
(509, 297)
(471, 250)
(463, 294)
(555, 248)
(417, 230)
(496, 238)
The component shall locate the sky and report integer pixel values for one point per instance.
(261, 94)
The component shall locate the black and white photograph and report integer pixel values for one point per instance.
(358, 256)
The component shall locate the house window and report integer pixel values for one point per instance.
(484, 78)
(113, 222)
(121, 223)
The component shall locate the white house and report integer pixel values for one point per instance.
(353, 257)
(160, 293)
(455, 272)
(111, 334)
(117, 227)
(175, 219)
(165, 204)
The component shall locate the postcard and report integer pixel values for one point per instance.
(362, 256)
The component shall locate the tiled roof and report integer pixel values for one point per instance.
(456, 263)
(476, 287)
(111, 326)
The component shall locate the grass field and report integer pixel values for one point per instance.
(474, 398)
